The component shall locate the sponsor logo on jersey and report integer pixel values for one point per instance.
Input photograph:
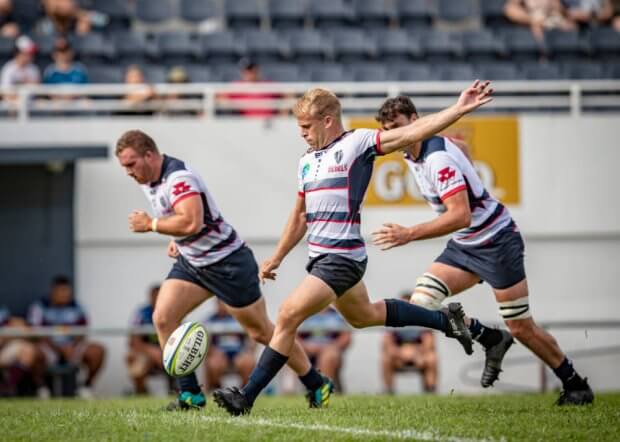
(305, 170)
(338, 168)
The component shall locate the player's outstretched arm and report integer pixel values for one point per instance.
(187, 220)
(478, 94)
(294, 231)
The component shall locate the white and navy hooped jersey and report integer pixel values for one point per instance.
(43, 313)
(217, 239)
(441, 170)
(333, 182)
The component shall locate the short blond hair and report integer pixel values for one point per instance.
(317, 103)
(136, 140)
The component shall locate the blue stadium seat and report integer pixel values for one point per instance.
(221, 47)
(542, 71)
(613, 70)
(451, 10)
(45, 45)
(119, 13)
(227, 72)
(455, 72)
(243, 14)
(133, 47)
(565, 45)
(105, 73)
(583, 70)
(498, 71)
(482, 46)
(329, 14)
(199, 73)
(281, 72)
(195, 11)
(605, 42)
(265, 46)
(373, 14)
(352, 45)
(521, 44)
(492, 12)
(154, 73)
(416, 72)
(395, 45)
(287, 14)
(329, 72)
(440, 45)
(372, 72)
(309, 46)
(176, 47)
(154, 11)
(415, 14)
(93, 48)
(27, 13)
(7, 46)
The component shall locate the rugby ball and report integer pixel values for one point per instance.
(185, 349)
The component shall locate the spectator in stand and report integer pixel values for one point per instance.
(179, 75)
(21, 70)
(615, 21)
(590, 12)
(64, 17)
(250, 74)
(409, 347)
(228, 351)
(64, 70)
(145, 356)
(8, 25)
(59, 308)
(326, 343)
(22, 364)
(140, 94)
(539, 15)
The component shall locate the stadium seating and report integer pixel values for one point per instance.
(309, 46)
(265, 46)
(373, 14)
(396, 46)
(328, 14)
(416, 72)
(154, 11)
(482, 46)
(133, 47)
(415, 14)
(195, 11)
(541, 71)
(371, 72)
(352, 45)
(176, 47)
(287, 14)
(105, 74)
(243, 14)
(118, 11)
(454, 11)
(221, 47)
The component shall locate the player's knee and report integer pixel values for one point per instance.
(289, 317)
(521, 329)
(95, 353)
(260, 335)
(517, 315)
(163, 321)
(429, 292)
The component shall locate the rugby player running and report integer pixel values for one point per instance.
(486, 246)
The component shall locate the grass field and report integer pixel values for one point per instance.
(449, 418)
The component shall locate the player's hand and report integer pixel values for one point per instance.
(391, 235)
(139, 221)
(476, 95)
(267, 269)
(173, 250)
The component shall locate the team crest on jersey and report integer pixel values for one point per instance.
(338, 156)
(305, 170)
(180, 188)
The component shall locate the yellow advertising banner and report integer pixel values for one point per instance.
(494, 148)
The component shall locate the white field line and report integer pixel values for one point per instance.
(356, 432)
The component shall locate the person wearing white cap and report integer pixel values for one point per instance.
(21, 69)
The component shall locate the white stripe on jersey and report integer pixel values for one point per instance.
(333, 182)
(443, 170)
(217, 239)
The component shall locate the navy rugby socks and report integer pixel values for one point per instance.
(487, 336)
(312, 380)
(400, 313)
(569, 377)
(268, 365)
(189, 383)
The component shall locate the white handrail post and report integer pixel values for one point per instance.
(575, 99)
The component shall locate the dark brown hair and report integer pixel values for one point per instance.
(392, 107)
(138, 141)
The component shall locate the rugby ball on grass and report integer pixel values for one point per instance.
(185, 349)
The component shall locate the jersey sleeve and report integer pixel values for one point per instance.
(181, 187)
(445, 174)
(368, 142)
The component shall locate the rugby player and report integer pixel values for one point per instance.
(486, 246)
(333, 176)
(211, 259)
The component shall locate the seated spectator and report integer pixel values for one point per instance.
(250, 73)
(64, 17)
(140, 93)
(409, 347)
(539, 15)
(22, 364)
(59, 308)
(8, 25)
(64, 70)
(21, 70)
(178, 75)
(145, 354)
(324, 345)
(590, 12)
(229, 351)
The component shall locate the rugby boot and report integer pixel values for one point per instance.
(319, 398)
(187, 401)
(457, 328)
(232, 400)
(494, 358)
(582, 395)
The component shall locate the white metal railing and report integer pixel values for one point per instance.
(215, 100)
